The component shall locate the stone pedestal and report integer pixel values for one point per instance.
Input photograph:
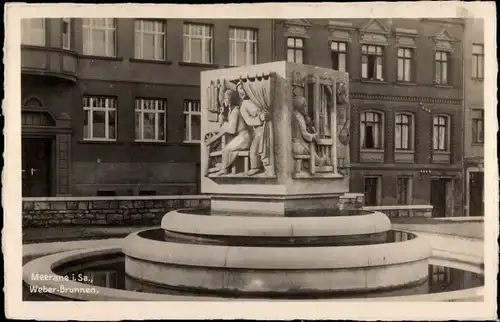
(282, 223)
(287, 121)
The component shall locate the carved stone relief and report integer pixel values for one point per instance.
(239, 141)
(343, 113)
(315, 124)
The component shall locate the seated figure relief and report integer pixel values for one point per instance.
(303, 132)
(245, 130)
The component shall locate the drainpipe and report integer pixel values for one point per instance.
(465, 184)
(273, 39)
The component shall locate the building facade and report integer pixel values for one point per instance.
(111, 106)
(474, 117)
(406, 103)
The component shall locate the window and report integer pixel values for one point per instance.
(99, 37)
(66, 33)
(295, 50)
(403, 185)
(405, 56)
(107, 279)
(441, 66)
(403, 132)
(440, 133)
(147, 193)
(372, 62)
(371, 130)
(149, 39)
(242, 47)
(339, 55)
(192, 121)
(100, 118)
(477, 126)
(106, 193)
(371, 191)
(150, 119)
(478, 61)
(33, 31)
(441, 274)
(197, 43)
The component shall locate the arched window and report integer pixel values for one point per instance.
(403, 132)
(371, 130)
(441, 133)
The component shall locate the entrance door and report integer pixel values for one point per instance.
(371, 191)
(198, 178)
(476, 184)
(438, 197)
(36, 166)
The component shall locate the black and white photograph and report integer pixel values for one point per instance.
(189, 156)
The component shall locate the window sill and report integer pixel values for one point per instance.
(150, 61)
(475, 79)
(443, 85)
(190, 143)
(83, 141)
(441, 157)
(373, 150)
(373, 81)
(207, 65)
(152, 143)
(372, 155)
(404, 156)
(402, 83)
(101, 57)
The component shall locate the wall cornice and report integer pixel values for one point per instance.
(400, 98)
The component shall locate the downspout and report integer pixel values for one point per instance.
(273, 40)
(465, 184)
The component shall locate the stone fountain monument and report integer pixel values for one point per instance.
(282, 223)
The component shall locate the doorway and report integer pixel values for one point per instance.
(36, 167)
(372, 191)
(441, 198)
(476, 186)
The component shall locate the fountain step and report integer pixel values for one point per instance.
(354, 223)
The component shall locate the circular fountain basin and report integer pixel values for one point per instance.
(92, 257)
(275, 270)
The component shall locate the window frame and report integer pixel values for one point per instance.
(363, 121)
(188, 117)
(411, 131)
(406, 60)
(190, 36)
(476, 64)
(447, 127)
(29, 34)
(408, 190)
(476, 139)
(339, 52)
(107, 109)
(295, 49)
(248, 41)
(366, 54)
(67, 37)
(439, 62)
(156, 36)
(88, 48)
(441, 275)
(139, 109)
